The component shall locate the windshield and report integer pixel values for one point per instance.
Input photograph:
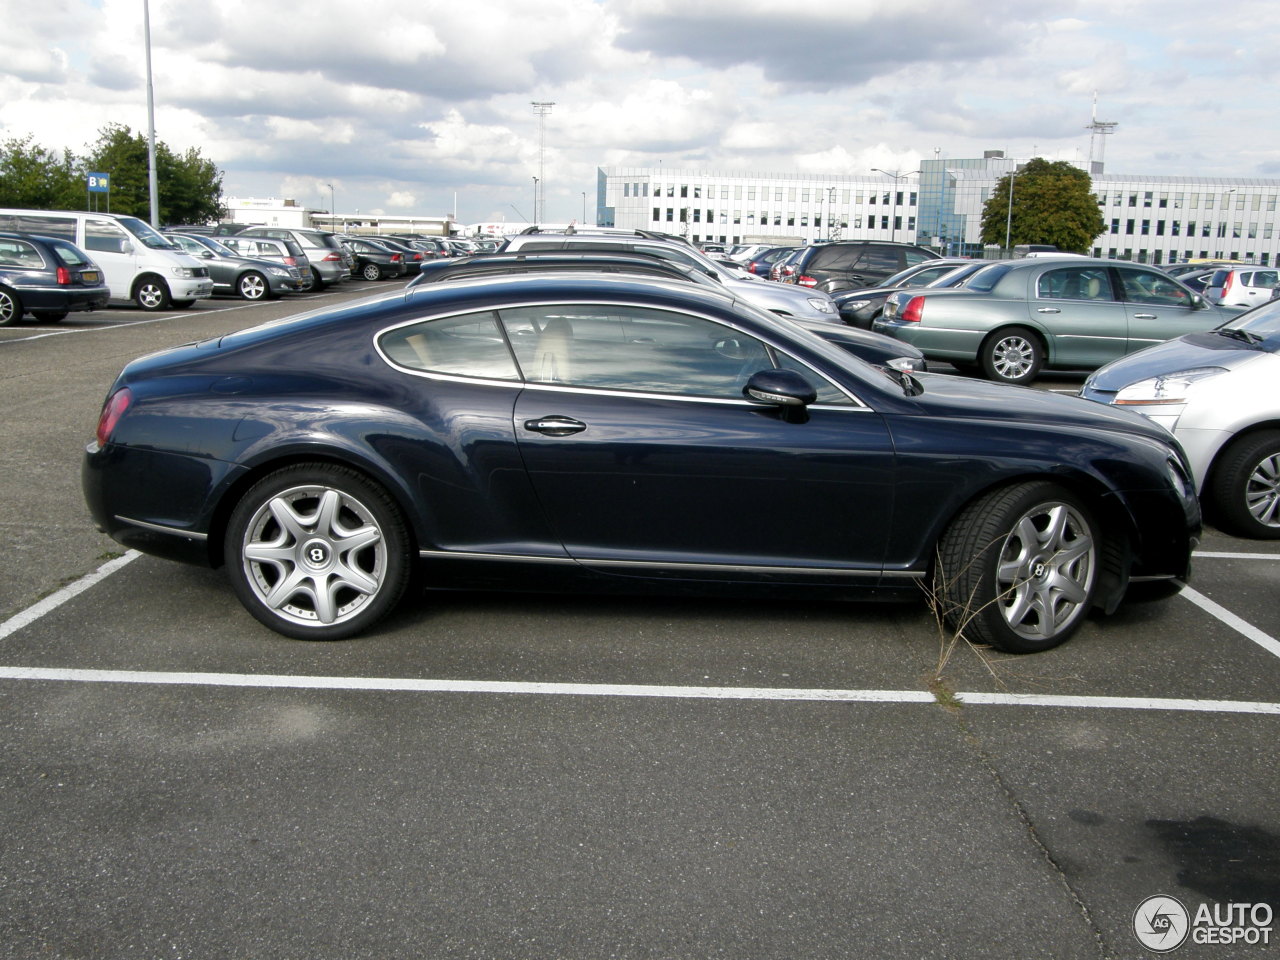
(220, 249)
(1262, 322)
(147, 234)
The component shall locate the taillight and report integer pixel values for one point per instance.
(913, 311)
(112, 411)
(64, 277)
(1226, 286)
(806, 281)
(395, 258)
(291, 261)
(332, 258)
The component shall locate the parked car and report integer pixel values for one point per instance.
(1015, 317)
(373, 259)
(761, 263)
(47, 277)
(784, 266)
(139, 264)
(611, 434)
(411, 255)
(850, 264)
(1241, 286)
(1218, 392)
(330, 263)
(802, 304)
(233, 273)
(284, 252)
(859, 308)
(874, 348)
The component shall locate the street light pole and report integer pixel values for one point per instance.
(893, 213)
(333, 209)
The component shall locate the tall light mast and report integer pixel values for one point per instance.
(1100, 129)
(541, 108)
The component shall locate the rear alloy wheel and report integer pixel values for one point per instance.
(371, 271)
(317, 552)
(10, 308)
(152, 294)
(1012, 356)
(253, 286)
(1244, 488)
(1017, 569)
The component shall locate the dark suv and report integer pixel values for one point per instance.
(850, 264)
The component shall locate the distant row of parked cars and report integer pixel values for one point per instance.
(54, 262)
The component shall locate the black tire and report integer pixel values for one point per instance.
(371, 271)
(152, 294)
(1013, 355)
(49, 316)
(1018, 568)
(312, 525)
(317, 282)
(181, 304)
(253, 286)
(1243, 489)
(11, 309)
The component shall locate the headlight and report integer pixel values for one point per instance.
(278, 271)
(1168, 388)
(822, 306)
(856, 304)
(186, 273)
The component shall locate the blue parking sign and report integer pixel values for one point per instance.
(99, 183)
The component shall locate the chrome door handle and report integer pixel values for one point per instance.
(1144, 316)
(1048, 310)
(555, 426)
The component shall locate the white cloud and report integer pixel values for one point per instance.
(400, 109)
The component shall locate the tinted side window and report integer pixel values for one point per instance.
(19, 254)
(633, 348)
(841, 257)
(1075, 283)
(1144, 286)
(880, 260)
(467, 346)
(63, 227)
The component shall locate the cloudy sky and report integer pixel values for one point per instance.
(405, 106)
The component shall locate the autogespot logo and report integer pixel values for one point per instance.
(1161, 923)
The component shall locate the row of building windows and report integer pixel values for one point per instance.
(791, 194)
(695, 215)
(1207, 228)
(1192, 201)
(1173, 256)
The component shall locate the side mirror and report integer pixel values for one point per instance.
(781, 388)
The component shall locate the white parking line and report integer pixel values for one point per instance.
(427, 685)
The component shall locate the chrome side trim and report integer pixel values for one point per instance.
(504, 557)
(161, 528)
(671, 565)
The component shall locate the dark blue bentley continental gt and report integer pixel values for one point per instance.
(568, 431)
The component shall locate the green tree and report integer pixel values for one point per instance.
(1052, 202)
(32, 176)
(188, 185)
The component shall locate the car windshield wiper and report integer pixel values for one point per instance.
(1235, 333)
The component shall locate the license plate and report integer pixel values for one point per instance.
(89, 276)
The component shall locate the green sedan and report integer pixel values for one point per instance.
(1016, 317)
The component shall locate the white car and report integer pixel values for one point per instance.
(1218, 393)
(1241, 286)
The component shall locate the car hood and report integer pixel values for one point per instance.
(1187, 352)
(955, 396)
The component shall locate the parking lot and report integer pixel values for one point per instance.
(514, 776)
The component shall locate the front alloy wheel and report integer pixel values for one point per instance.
(1018, 568)
(317, 552)
(1244, 486)
(152, 294)
(253, 286)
